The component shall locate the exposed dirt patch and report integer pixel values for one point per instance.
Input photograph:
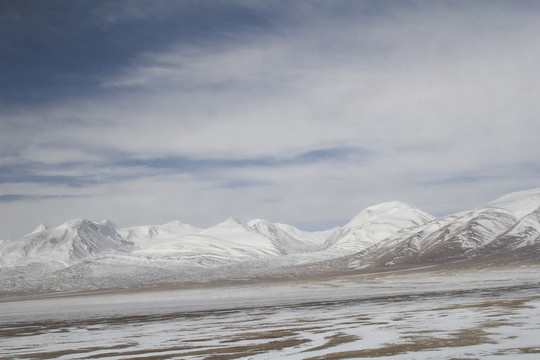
(464, 337)
(334, 340)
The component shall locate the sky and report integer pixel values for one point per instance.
(298, 112)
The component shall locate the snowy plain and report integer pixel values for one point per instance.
(426, 313)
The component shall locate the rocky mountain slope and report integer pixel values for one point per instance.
(502, 226)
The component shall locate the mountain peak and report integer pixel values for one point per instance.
(107, 223)
(258, 222)
(38, 229)
(388, 205)
(391, 211)
(174, 223)
(71, 242)
(73, 223)
(177, 227)
(231, 222)
(377, 223)
(77, 224)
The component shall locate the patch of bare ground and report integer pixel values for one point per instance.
(461, 338)
(212, 353)
(496, 324)
(506, 304)
(31, 328)
(253, 349)
(67, 352)
(161, 353)
(10, 330)
(335, 340)
(264, 335)
(523, 350)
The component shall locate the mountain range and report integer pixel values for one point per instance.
(86, 255)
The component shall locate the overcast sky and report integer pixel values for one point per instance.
(300, 112)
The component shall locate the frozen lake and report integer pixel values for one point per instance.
(466, 314)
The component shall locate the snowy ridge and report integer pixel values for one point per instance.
(84, 254)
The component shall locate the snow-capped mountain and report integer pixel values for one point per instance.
(524, 206)
(508, 223)
(72, 242)
(82, 254)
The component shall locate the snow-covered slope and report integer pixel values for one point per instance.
(230, 241)
(158, 241)
(315, 239)
(375, 224)
(287, 239)
(524, 206)
(184, 245)
(241, 238)
(148, 235)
